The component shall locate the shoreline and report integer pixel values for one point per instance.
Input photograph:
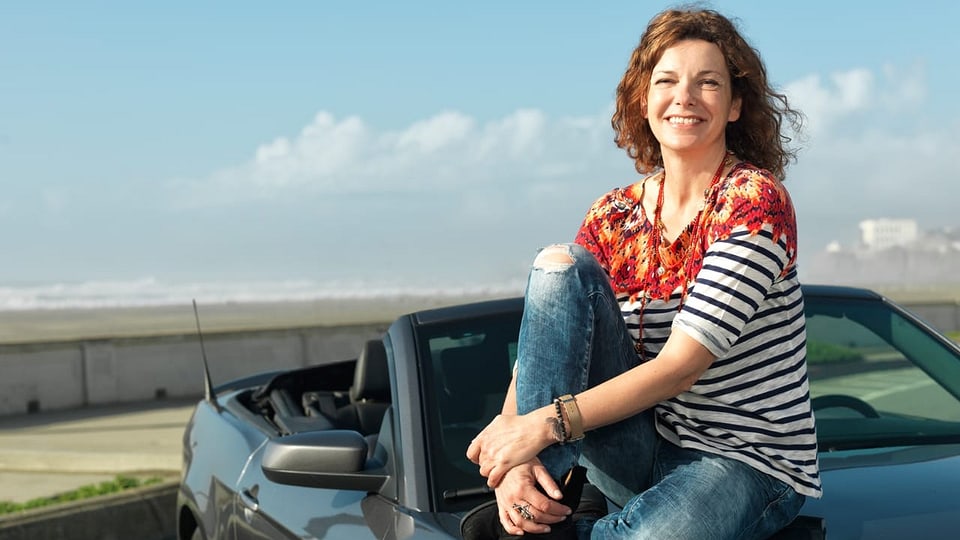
(51, 325)
(83, 324)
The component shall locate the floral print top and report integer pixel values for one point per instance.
(617, 230)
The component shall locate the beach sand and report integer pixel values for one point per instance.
(72, 324)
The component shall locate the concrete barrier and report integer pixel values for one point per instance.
(147, 513)
(55, 375)
(70, 374)
(943, 315)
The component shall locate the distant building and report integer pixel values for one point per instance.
(890, 252)
(880, 234)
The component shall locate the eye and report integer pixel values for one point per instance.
(710, 83)
(663, 81)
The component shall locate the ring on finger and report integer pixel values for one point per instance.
(523, 510)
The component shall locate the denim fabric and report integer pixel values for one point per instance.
(573, 337)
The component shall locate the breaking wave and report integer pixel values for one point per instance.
(153, 292)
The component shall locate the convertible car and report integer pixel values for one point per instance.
(374, 447)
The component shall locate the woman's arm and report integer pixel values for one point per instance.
(510, 401)
(510, 439)
(674, 370)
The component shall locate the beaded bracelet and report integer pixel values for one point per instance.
(569, 404)
(563, 430)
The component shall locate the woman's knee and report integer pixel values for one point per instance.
(556, 257)
(559, 257)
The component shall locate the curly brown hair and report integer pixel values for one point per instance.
(755, 137)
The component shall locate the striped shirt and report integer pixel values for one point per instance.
(743, 303)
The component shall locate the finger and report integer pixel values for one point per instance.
(485, 470)
(530, 519)
(506, 519)
(545, 509)
(547, 482)
(552, 511)
(524, 519)
(473, 451)
(534, 527)
(495, 476)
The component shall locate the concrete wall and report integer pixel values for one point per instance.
(47, 376)
(61, 375)
(944, 316)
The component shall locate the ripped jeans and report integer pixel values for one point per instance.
(573, 337)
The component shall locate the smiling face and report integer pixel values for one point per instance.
(690, 99)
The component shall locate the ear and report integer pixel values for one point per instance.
(643, 108)
(735, 106)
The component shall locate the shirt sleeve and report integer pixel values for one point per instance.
(599, 229)
(753, 247)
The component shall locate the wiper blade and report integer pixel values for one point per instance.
(455, 494)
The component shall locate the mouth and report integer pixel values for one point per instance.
(683, 120)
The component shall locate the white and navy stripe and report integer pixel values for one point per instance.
(753, 403)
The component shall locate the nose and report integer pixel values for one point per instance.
(685, 93)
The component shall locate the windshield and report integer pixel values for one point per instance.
(877, 377)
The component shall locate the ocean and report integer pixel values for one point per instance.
(148, 291)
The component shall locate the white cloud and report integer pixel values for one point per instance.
(278, 149)
(517, 136)
(323, 148)
(908, 85)
(442, 131)
(446, 152)
(828, 101)
(869, 154)
(524, 149)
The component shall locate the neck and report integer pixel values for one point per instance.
(688, 176)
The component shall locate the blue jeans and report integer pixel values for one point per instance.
(573, 337)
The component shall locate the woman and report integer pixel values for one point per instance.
(672, 332)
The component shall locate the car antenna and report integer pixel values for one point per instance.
(209, 395)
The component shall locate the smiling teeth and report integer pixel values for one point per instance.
(679, 120)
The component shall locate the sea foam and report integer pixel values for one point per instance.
(153, 292)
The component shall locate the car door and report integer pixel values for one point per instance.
(268, 510)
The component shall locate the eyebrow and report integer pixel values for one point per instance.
(699, 73)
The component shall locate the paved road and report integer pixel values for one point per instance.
(48, 453)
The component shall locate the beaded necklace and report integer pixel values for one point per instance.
(661, 259)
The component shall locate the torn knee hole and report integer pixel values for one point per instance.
(553, 258)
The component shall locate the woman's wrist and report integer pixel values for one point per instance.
(562, 421)
(557, 432)
(569, 411)
(550, 429)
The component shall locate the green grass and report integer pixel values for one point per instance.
(118, 484)
(821, 352)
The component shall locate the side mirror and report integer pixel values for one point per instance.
(330, 459)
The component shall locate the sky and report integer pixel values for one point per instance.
(436, 143)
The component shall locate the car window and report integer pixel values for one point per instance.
(877, 377)
(467, 368)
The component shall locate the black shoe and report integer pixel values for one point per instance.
(483, 522)
(572, 486)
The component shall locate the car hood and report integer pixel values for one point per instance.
(902, 492)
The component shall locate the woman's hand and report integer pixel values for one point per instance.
(518, 490)
(506, 442)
